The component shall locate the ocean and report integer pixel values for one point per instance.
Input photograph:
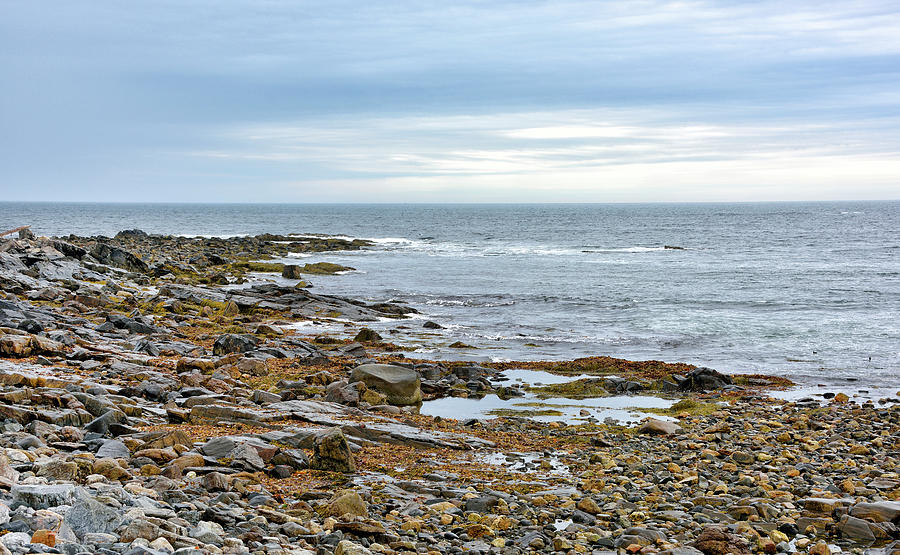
(810, 291)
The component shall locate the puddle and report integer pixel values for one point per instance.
(621, 408)
(527, 462)
(535, 377)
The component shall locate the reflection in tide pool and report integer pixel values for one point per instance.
(623, 408)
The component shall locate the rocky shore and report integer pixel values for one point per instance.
(156, 399)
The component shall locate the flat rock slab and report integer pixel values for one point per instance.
(44, 496)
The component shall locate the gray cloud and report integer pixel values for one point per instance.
(268, 100)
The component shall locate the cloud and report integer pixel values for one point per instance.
(239, 100)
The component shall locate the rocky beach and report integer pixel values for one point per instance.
(160, 395)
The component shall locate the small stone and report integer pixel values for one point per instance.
(214, 481)
(347, 547)
(45, 537)
(588, 505)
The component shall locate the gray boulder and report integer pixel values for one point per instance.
(87, 516)
(704, 379)
(234, 343)
(44, 496)
(120, 258)
(113, 448)
(400, 385)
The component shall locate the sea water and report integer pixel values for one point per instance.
(810, 291)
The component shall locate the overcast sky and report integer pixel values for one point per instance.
(396, 101)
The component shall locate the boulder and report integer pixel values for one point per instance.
(719, 541)
(208, 532)
(120, 258)
(366, 335)
(88, 515)
(658, 427)
(882, 511)
(44, 496)
(704, 379)
(113, 448)
(332, 453)
(234, 343)
(346, 502)
(400, 385)
(291, 271)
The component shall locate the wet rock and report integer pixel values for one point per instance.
(291, 271)
(704, 379)
(367, 335)
(482, 504)
(883, 511)
(856, 529)
(400, 385)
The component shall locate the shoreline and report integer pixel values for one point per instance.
(134, 380)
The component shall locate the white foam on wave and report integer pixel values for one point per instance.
(634, 249)
(212, 235)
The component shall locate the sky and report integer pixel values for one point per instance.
(463, 101)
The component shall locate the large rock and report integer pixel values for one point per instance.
(346, 502)
(44, 496)
(87, 515)
(291, 271)
(704, 379)
(883, 511)
(332, 453)
(208, 532)
(719, 541)
(120, 258)
(654, 426)
(856, 529)
(400, 385)
(113, 448)
(234, 343)
(8, 474)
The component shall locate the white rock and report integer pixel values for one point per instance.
(162, 544)
(16, 541)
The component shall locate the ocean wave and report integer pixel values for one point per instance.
(600, 250)
(470, 301)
